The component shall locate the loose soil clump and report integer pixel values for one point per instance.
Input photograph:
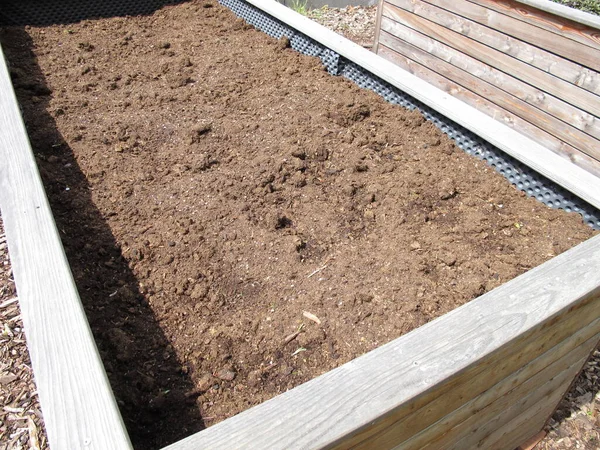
(238, 221)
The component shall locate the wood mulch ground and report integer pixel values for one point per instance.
(576, 423)
(21, 423)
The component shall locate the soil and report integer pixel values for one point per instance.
(238, 221)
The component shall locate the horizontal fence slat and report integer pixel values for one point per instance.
(571, 14)
(586, 34)
(76, 399)
(500, 114)
(547, 395)
(522, 30)
(545, 61)
(568, 92)
(520, 108)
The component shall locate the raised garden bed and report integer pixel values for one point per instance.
(225, 184)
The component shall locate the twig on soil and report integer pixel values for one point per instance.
(318, 270)
(301, 349)
(293, 336)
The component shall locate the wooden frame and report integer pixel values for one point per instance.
(533, 70)
(489, 372)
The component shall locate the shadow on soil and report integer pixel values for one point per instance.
(155, 396)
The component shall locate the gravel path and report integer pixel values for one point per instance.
(357, 23)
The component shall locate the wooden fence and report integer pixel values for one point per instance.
(533, 70)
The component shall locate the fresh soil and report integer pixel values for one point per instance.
(238, 221)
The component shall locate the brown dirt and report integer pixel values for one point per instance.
(211, 185)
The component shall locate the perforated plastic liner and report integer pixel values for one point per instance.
(48, 12)
(520, 175)
(45, 12)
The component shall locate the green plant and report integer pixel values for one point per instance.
(591, 6)
(317, 13)
(300, 6)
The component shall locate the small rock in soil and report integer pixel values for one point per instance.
(226, 374)
(205, 382)
(199, 291)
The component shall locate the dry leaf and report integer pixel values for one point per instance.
(312, 317)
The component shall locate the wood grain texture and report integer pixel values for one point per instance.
(441, 430)
(77, 402)
(550, 113)
(377, 26)
(520, 428)
(523, 51)
(488, 372)
(522, 30)
(559, 147)
(489, 92)
(346, 406)
(493, 57)
(573, 178)
(582, 29)
(549, 393)
(572, 14)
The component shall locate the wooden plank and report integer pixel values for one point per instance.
(526, 52)
(572, 14)
(408, 31)
(377, 26)
(78, 406)
(495, 58)
(530, 443)
(353, 402)
(435, 437)
(552, 166)
(444, 426)
(542, 137)
(587, 34)
(525, 424)
(549, 393)
(520, 108)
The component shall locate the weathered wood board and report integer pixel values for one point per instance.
(522, 64)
